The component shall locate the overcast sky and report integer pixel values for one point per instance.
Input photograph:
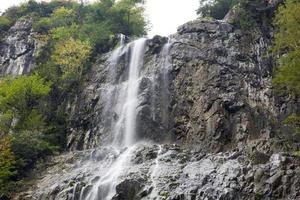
(164, 15)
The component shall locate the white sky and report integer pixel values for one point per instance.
(164, 15)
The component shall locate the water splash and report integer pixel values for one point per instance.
(105, 188)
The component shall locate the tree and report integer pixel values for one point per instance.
(248, 14)
(7, 165)
(7, 160)
(287, 45)
(71, 55)
(63, 17)
(28, 147)
(216, 9)
(22, 125)
(127, 15)
(19, 100)
(5, 24)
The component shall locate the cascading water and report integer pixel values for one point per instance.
(166, 67)
(125, 95)
(124, 130)
(160, 87)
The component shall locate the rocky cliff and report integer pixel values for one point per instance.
(205, 98)
(207, 120)
(18, 49)
(219, 92)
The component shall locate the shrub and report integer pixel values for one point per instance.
(5, 24)
(7, 166)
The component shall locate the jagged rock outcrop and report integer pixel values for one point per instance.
(169, 172)
(222, 81)
(18, 49)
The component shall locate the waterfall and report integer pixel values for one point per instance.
(124, 131)
(160, 87)
(105, 188)
(123, 95)
(166, 67)
(122, 39)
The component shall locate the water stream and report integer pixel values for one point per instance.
(123, 95)
(165, 68)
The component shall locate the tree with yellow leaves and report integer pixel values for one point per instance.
(71, 55)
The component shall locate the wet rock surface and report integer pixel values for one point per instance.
(172, 173)
(217, 94)
(17, 49)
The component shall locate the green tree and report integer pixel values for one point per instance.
(21, 112)
(287, 45)
(20, 99)
(7, 160)
(248, 14)
(7, 165)
(63, 17)
(71, 55)
(128, 16)
(5, 24)
(216, 9)
(28, 147)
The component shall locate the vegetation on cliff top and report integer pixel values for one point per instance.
(33, 108)
(248, 14)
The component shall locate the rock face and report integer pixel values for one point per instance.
(169, 172)
(17, 49)
(217, 93)
(223, 85)
(207, 91)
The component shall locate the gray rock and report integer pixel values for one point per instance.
(165, 176)
(18, 49)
